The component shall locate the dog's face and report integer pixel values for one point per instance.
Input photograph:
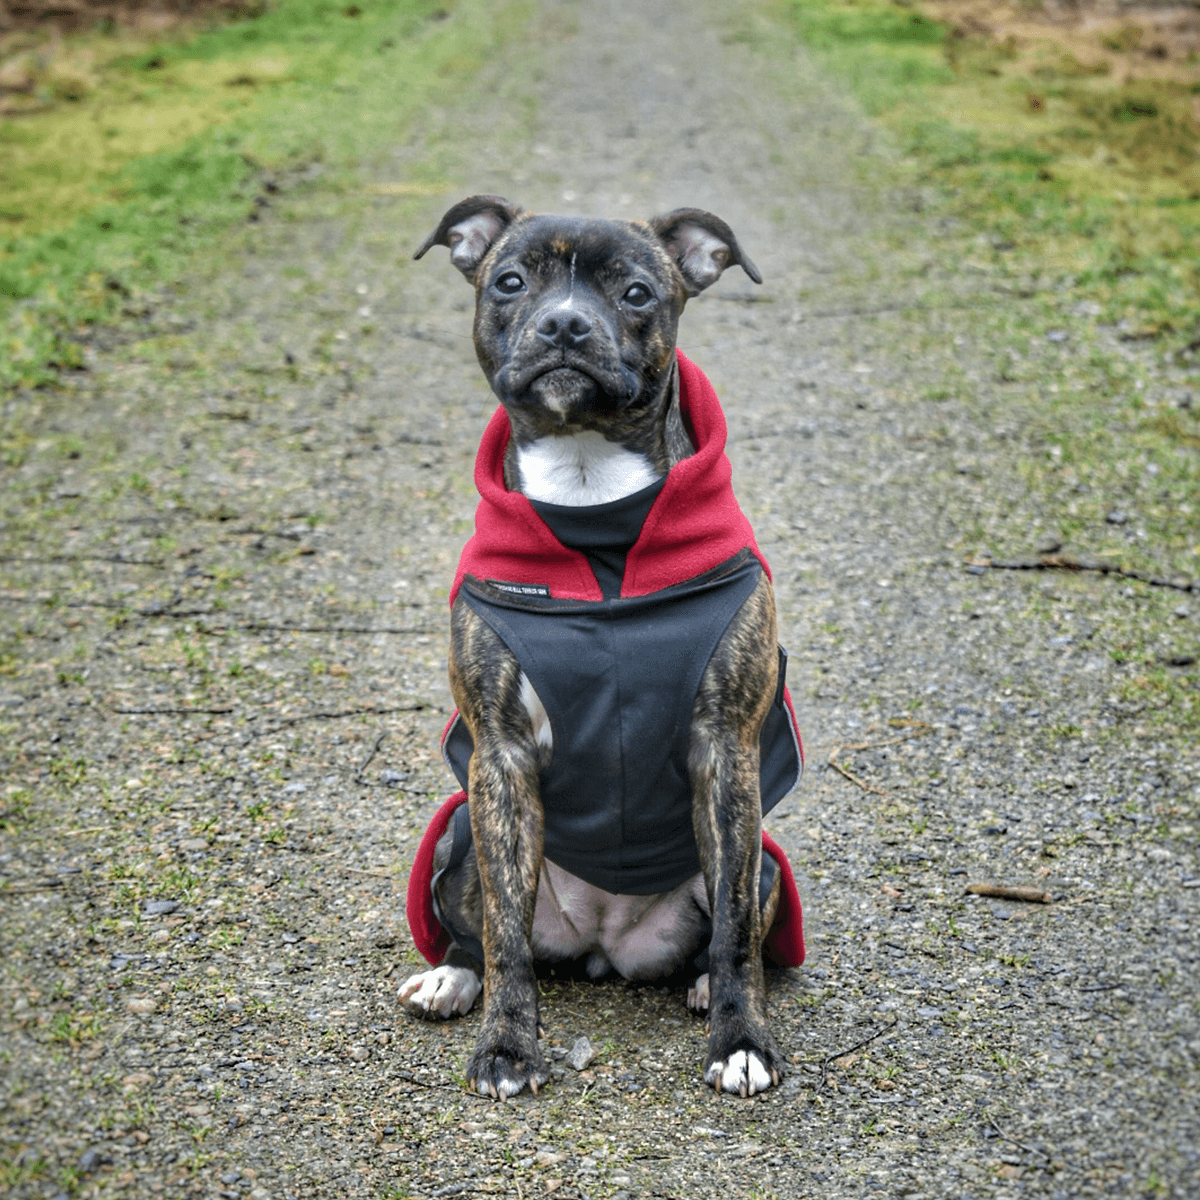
(575, 319)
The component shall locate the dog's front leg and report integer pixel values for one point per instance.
(506, 823)
(738, 685)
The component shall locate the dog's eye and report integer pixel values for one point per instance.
(510, 283)
(638, 296)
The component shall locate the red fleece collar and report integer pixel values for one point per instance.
(694, 525)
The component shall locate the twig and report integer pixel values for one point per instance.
(366, 762)
(1020, 1145)
(80, 558)
(847, 774)
(832, 1058)
(36, 885)
(285, 722)
(1004, 892)
(1054, 562)
(171, 712)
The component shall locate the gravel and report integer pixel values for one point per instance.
(223, 647)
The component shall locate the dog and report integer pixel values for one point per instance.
(616, 782)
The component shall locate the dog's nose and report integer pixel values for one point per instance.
(565, 327)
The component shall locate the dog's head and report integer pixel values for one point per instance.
(575, 319)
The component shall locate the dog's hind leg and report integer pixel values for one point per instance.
(738, 685)
(448, 990)
(451, 988)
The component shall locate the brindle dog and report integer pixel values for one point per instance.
(575, 327)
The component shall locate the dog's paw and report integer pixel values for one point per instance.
(742, 1073)
(697, 997)
(503, 1072)
(442, 992)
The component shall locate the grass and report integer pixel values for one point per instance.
(139, 152)
(1074, 188)
(1085, 173)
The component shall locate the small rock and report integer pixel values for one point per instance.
(1117, 516)
(142, 1005)
(89, 1161)
(159, 908)
(360, 1053)
(582, 1054)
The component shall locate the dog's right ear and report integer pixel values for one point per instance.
(470, 228)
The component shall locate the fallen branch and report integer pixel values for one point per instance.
(1003, 892)
(1055, 562)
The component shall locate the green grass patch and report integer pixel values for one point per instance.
(120, 177)
(1087, 176)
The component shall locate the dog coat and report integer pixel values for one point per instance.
(613, 612)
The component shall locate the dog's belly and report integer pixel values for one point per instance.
(640, 937)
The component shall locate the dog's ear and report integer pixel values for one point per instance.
(470, 228)
(702, 246)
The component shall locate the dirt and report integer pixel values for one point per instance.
(226, 551)
(63, 16)
(1124, 41)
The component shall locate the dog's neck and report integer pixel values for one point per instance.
(583, 467)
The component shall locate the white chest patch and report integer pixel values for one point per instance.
(577, 469)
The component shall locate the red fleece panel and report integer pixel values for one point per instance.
(427, 932)
(783, 946)
(694, 525)
(784, 942)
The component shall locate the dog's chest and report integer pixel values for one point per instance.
(582, 468)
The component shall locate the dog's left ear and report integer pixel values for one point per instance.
(702, 246)
(470, 228)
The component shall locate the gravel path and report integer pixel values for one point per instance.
(225, 555)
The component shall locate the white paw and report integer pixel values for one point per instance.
(442, 992)
(503, 1090)
(744, 1074)
(697, 999)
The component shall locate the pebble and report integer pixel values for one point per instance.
(159, 908)
(582, 1054)
(89, 1161)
